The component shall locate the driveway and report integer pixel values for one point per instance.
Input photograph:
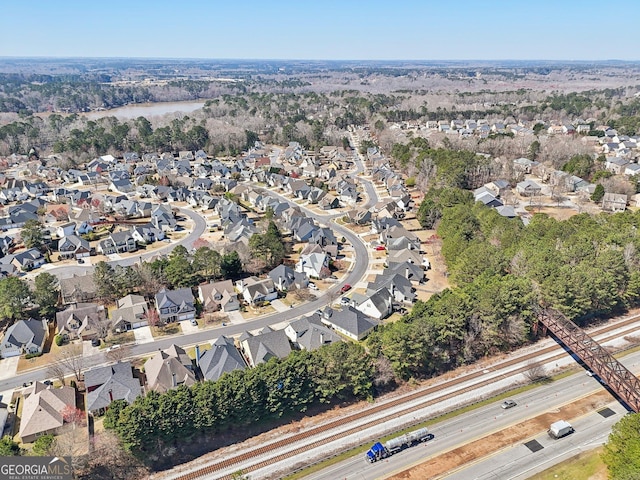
(143, 335)
(187, 327)
(8, 367)
(235, 317)
(279, 306)
(88, 350)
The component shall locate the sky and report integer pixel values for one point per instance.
(322, 29)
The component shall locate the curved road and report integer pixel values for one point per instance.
(358, 271)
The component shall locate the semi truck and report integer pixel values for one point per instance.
(560, 429)
(378, 450)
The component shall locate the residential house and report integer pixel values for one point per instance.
(285, 278)
(255, 291)
(263, 346)
(77, 289)
(82, 320)
(614, 202)
(349, 322)
(616, 165)
(24, 337)
(130, 312)
(73, 246)
(309, 333)
(175, 305)
(66, 229)
(43, 411)
(528, 188)
(146, 233)
(223, 357)
(118, 242)
(28, 260)
(169, 369)
(106, 384)
(315, 265)
(411, 271)
(523, 165)
(399, 286)
(329, 202)
(218, 296)
(378, 305)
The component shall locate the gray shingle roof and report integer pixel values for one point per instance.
(223, 357)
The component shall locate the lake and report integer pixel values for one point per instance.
(145, 110)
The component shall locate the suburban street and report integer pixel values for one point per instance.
(359, 267)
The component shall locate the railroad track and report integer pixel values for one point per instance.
(209, 470)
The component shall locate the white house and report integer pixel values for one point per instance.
(315, 265)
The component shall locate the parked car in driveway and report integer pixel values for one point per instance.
(95, 342)
(312, 286)
(380, 248)
(194, 322)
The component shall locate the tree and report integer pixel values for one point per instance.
(69, 359)
(207, 262)
(118, 354)
(14, 295)
(32, 234)
(535, 371)
(46, 293)
(103, 278)
(109, 461)
(8, 447)
(102, 327)
(42, 446)
(622, 451)
(231, 265)
(598, 193)
(179, 271)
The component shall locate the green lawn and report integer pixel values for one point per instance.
(585, 466)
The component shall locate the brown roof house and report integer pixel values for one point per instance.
(169, 369)
(131, 313)
(82, 320)
(218, 296)
(78, 288)
(42, 412)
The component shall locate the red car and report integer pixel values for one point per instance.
(380, 247)
(345, 288)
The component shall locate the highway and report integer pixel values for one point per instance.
(516, 462)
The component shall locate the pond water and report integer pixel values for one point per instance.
(146, 110)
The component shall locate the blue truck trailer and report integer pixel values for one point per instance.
(379, 451)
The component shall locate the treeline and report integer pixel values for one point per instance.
(444, 167)
(586, 267)
(243, 398)
(26, 94)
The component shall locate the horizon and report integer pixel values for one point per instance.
(320, 60)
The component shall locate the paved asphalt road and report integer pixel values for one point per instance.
(359, 269)
(514, 462)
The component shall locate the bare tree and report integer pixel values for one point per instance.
(535, 371)
(57, 371)
(68, 360)
(109, 461)
(384, 375)
(118, 354)
(102, 327)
